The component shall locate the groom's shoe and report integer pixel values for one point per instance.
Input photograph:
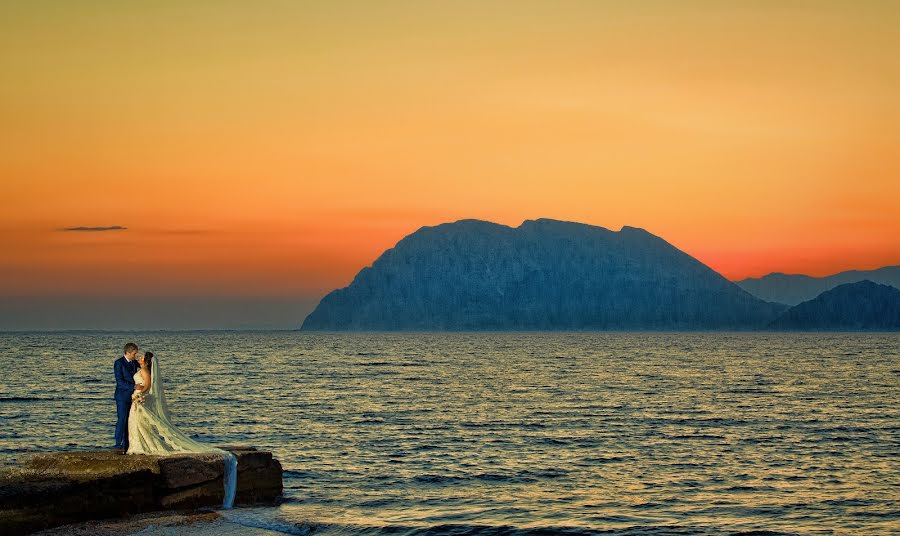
(118, 450)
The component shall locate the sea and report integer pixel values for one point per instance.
(508, 433)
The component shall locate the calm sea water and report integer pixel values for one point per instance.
(505, 433)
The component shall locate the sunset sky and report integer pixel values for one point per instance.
(263, 152)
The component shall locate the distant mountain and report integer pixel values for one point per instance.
(792, 289)
(543, 275)
(863, 305)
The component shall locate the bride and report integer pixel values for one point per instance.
(150, 429)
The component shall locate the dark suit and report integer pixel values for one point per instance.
(124, 372)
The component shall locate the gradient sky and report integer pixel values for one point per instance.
(269, 150)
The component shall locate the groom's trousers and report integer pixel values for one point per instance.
(123, 406)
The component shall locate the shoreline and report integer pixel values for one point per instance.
(166, 523)
(47, 490)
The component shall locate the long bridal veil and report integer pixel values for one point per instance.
(173, 440)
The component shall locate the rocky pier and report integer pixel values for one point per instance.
(47, 490)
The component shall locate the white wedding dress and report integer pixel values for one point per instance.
(150, 431)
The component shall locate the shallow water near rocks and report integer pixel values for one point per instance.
(508, 433)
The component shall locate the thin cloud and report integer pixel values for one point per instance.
(95, 229)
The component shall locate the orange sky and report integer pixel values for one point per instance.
(275, 148)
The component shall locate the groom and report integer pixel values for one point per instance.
(124, 370)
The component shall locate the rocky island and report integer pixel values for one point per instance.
(543, 275)
(51, 489)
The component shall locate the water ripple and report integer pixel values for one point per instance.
(510, 433)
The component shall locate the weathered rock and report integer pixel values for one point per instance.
(182, 471)
(51, 489)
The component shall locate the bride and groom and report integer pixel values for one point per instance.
(144, 425)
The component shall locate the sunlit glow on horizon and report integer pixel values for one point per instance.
(274, 149)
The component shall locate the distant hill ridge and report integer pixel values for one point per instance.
(864, 305)
(792, 289)
(544, 274)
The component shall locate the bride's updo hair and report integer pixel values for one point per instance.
(148, 360)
